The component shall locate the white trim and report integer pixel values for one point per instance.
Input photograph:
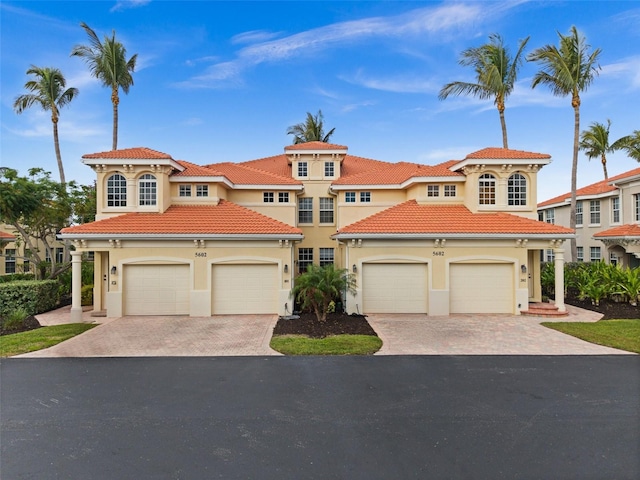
(139, 162)
(499, 161)
(426, 236)
(186, 236)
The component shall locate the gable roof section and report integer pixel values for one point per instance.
(396, 174)
(629, 231)
(277, 164)
(139, 153)
(413, 219)
(595, 189)
(247, 175)
(505, 154)
(226, 219)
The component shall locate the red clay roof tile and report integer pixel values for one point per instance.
(142, 153)
(193, 170)
(6, 236)
(315, 146)
(248, 175)
(506, 154)
(396, 173)
(628, 230)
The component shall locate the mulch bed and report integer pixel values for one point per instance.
(610, 310)
(29, 323)
(336, 324)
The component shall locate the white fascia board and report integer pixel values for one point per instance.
(298, 152)
(413, 180)
(242, 186)
(202, 180)
(399, 186)
(176, 236)
(451, 236)
(134, 161)
(625, 180)
(499, 162)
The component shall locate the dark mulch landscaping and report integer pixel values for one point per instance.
(336, 324)
(29, 323)
(610, 309)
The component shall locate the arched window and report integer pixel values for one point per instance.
(517, 190)
(147, 189)
(487, 189)
(116, 191)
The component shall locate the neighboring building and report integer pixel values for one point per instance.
(176, 238)
(607, 220)
(16, 257)
(8, 254)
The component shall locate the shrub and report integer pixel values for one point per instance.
(14, 320)
(87, 295)
(35, 296)
(318, 286)
(13, 277)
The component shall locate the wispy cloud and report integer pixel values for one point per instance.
(128, 4)
(355, 106)
(628, 69)
(398, 84)
(439, 23)
(254, 36)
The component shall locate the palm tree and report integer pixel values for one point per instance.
(595, 143)
(318, 286)
(312, 130)
(107, 62)
(631, 145)
(568, 70)
(47, 90)
(496, 74)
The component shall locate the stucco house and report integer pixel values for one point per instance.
(607, 220)
(176, 238)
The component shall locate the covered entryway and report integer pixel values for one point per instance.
(394, 287)
(481, 288)
(156, 289)
(244, 289)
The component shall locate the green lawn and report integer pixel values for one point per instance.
(621, 334)
(333, 345)
(40, 338)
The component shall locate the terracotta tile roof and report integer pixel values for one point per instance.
(598, 188)
(247, 175)
(142, 153)
(193, 170)
(314, 146)
(396, 173)
(278, 164)
(354, 165)
(6, 236)
(224, 218)
(629, 230)
(413, 218)
(506, 154)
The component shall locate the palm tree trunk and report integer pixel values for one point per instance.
(503, 124)
(115, 100)
(574, 176)
(604, 166)
(56, 143)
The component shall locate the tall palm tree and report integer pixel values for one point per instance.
(48, 90)
(107, 62)
(568, 70)
(595, 143)
(312, 130)
(496, 74)
(630, 144)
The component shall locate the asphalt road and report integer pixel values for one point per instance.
(476, 417)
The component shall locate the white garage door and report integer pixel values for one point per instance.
(394, 287)
(245, 289)
(481, 288)
(156, 289)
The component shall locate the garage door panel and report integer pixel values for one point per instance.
(156, 289)
(245, 289)
(394, 288)
(481, 288)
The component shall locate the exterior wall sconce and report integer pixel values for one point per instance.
(114, 270)
(286, 268)
(523, 268)
(355, 268)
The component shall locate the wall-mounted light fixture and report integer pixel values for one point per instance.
(286, 268)
(523, 268)
(355, 268)
(114, 270)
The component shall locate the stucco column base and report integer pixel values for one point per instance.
(559, 278)
(76, 287)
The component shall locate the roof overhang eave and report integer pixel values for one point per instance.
(182, 236)
(472, 236)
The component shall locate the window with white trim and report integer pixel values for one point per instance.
(303, 171)
(487, 189)
(615, 210)
(433, 190)
(580, 254)
(449, 190)
(365, 197)
(613, 258)
(283, 197)
(116, 191)
(550, 255)
(579, 214)
(636, 199)
(550, 215)
(350, 197)
(305, 258)
(328, 169)
(10, 260)
(326, 210)
(594, 212)
(59, 255)
(517, 190)
(595, 254)
(185, 190)
(202, 190)
(268, 197)
(326, 256)
(147, 190)
(305, 210)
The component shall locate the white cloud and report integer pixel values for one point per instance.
(628, 68)
(127, 4)
(407, 84)
(254, 36)
(354, 106)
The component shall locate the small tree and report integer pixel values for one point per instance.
(318, 286)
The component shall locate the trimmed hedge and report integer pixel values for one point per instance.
(14, 277)
(35, 296)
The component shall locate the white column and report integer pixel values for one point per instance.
(559, 277)
(76, 287)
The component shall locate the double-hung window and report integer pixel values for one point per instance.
(487, 189)
(615, 210)
(594, 212)
(10, 260)
(596, 255)
(147, 190)
(579, 213)
(283, 197)
(433, 190)
(636, 200)
(185, 190)
(326, 210)
(329, 169)
(202, 190)
(326, 256)
(305, 258)
(580, 254)
(305, 210)
(517, 190)
(550, 215)
(449, 190)
(303, 170)
(365, 197)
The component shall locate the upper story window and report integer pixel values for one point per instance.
(326, 256)
(636, 201)
(615, 210)
(550, 215)
(350, 197)
(596, 254)
(487, 189)
(365, 197)
(449, 190)
(10, 260)
(185, 190)
(580, 254)
(283, 197)
(116, 191)
(303, 170)
(305, 210)
(329, 169)
(326, 210)
(594, 212)
(517, 190)
(433, 190)
(579, 213)
(202, 190)
(147, 190)
(268, 197)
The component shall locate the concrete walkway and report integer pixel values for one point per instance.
(247, 335)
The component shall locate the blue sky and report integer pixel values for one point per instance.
(222, 81)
